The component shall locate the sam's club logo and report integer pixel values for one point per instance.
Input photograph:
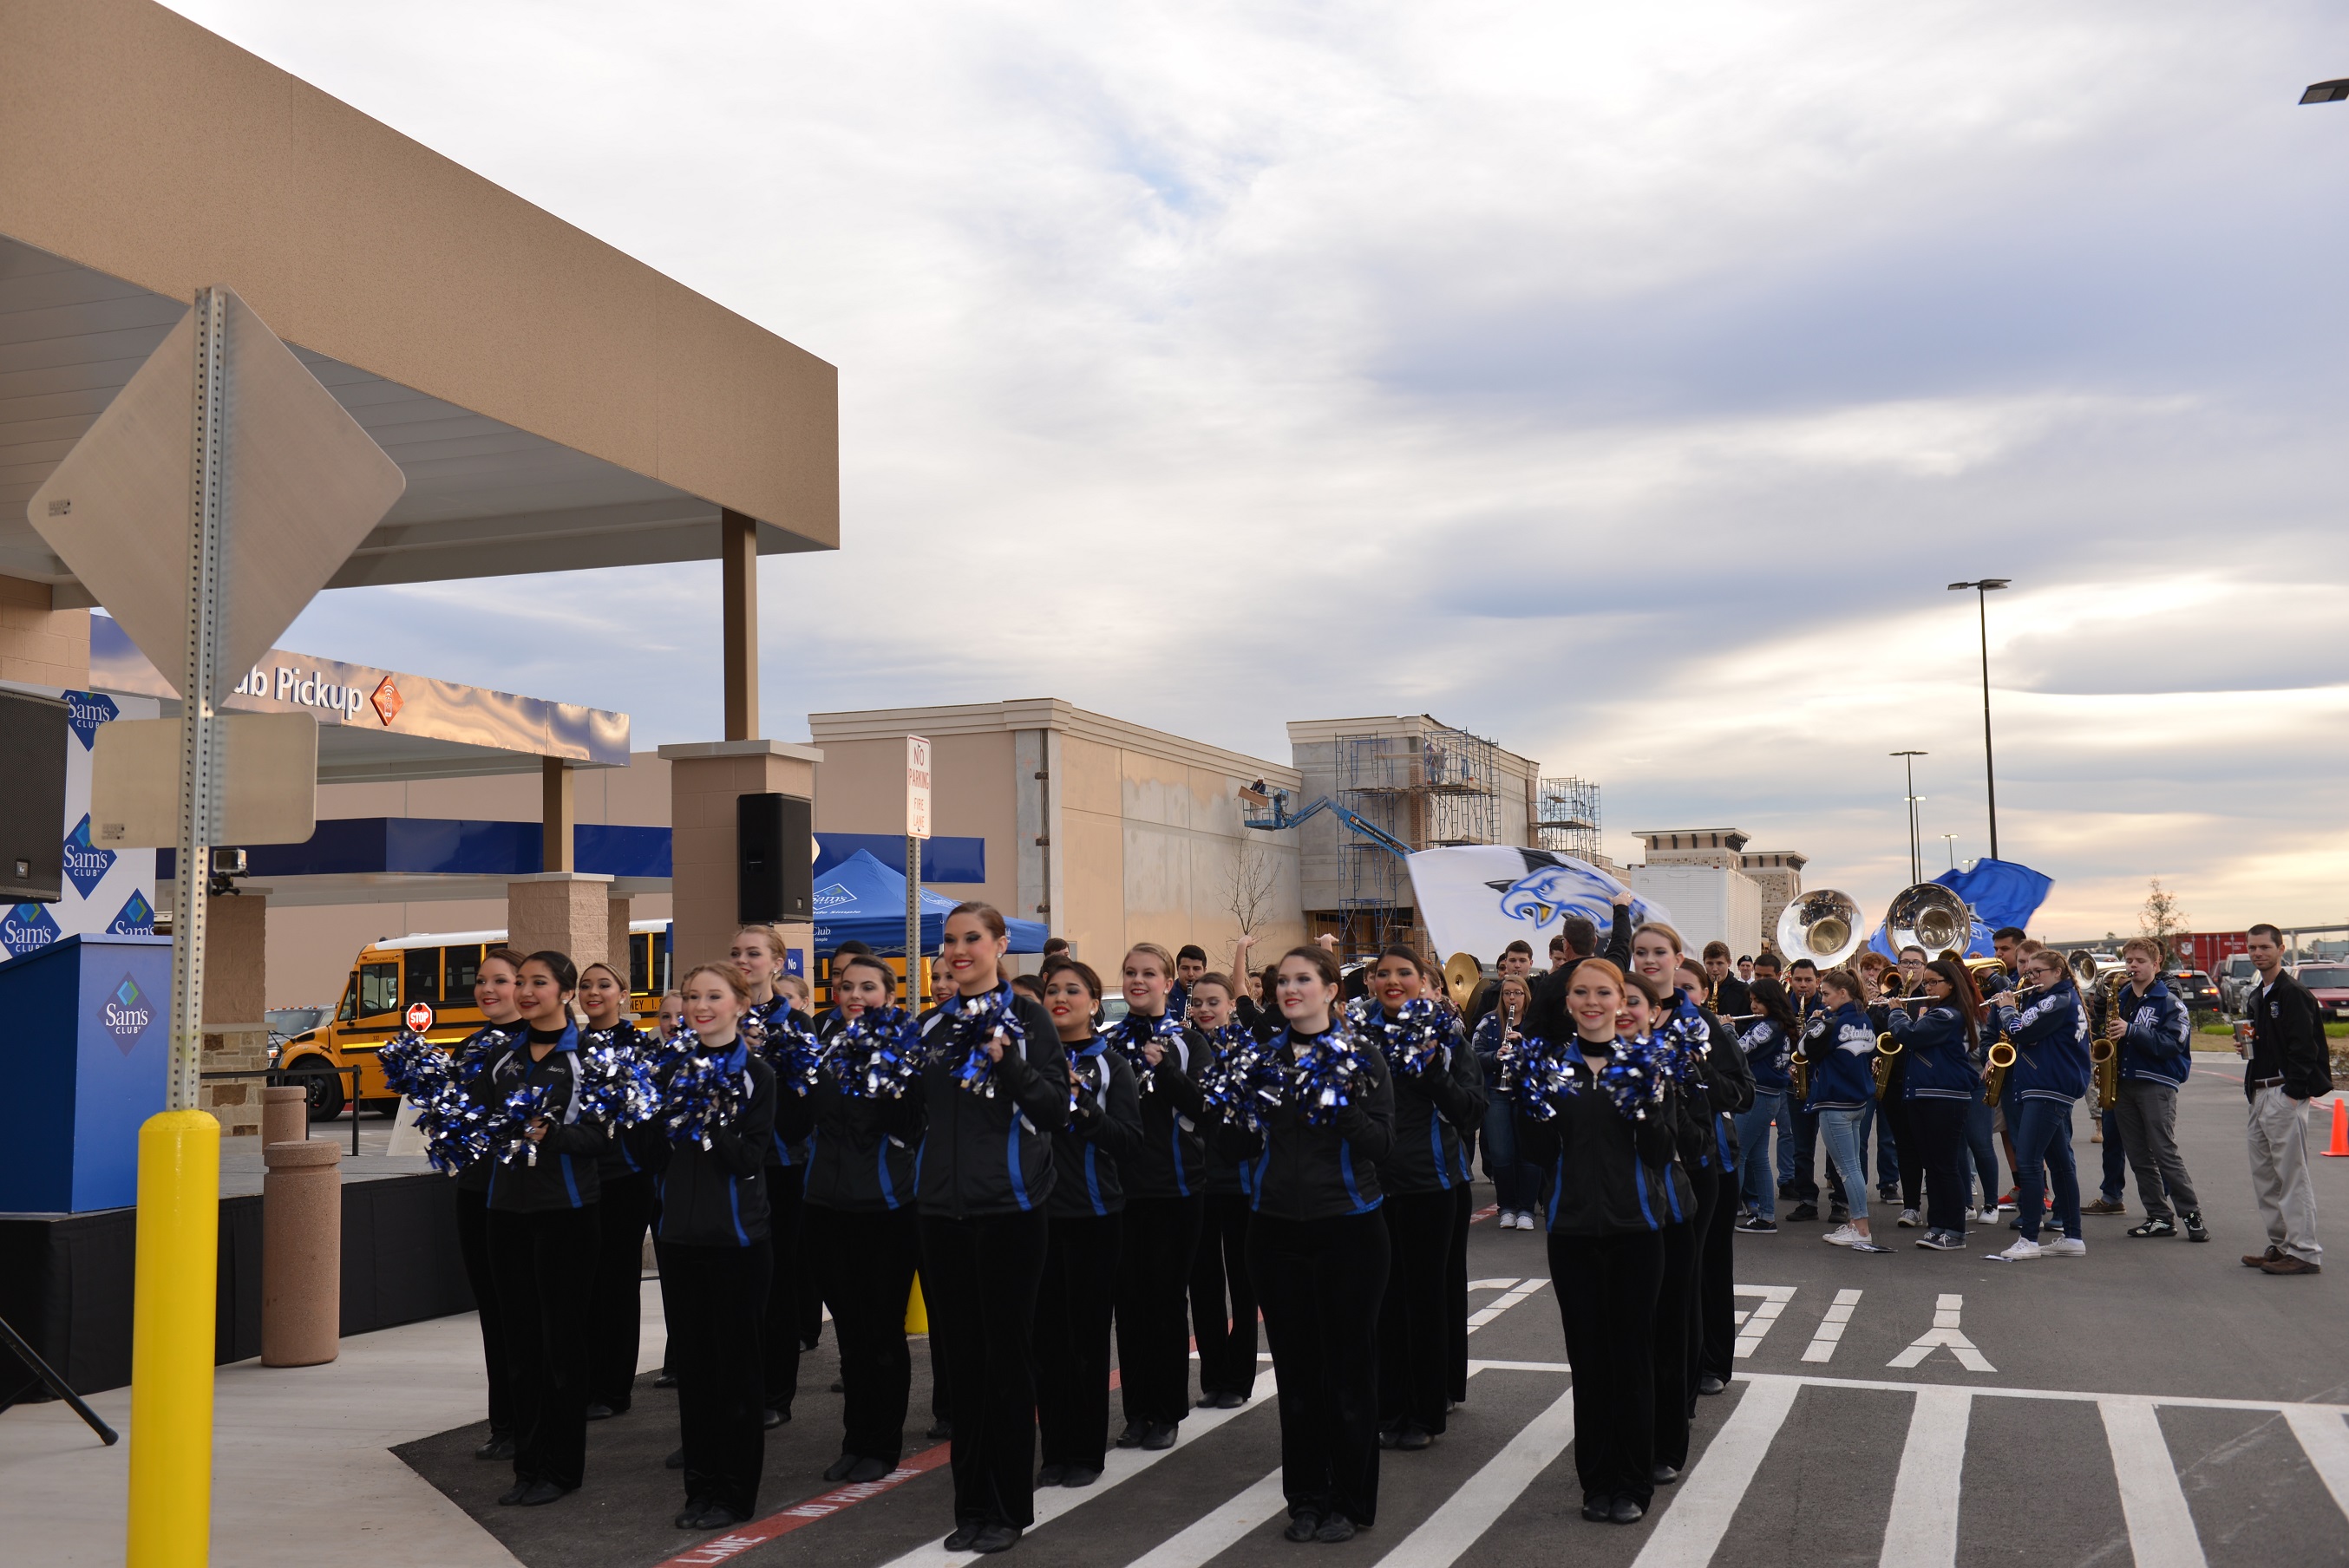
(27, 928)
(85, 711)
(85, 864)
(137, 919)
(126, 1013)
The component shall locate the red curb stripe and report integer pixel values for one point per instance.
(800, 1515)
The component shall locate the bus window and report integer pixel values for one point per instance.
(349, 1010)
(423, 978)
(458, 970)
(379, 989)
(640, 962)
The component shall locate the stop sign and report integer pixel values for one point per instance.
(418, 1018)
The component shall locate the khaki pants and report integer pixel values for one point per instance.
(2277, 1135)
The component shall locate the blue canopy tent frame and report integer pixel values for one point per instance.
(864, 899)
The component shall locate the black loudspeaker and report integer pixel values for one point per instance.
(774, 840)
(32, 799)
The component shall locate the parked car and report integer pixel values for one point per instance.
(2329, 984)
(2195, 988)
(2236, 977)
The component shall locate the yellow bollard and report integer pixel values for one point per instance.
(171, 1341)
(917, 1313)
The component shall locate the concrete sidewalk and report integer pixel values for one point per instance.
(303, 1470)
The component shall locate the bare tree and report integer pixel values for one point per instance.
(2160, 918)
(1248, 881)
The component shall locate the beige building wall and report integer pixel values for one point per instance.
(40, 645)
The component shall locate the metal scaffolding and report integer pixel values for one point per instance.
(1569, 820)
(1437, 787)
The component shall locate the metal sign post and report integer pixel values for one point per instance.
(917, 827)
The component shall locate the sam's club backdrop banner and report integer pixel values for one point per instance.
(1479, 898)
(106, 890)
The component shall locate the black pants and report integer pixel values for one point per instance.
(617, 1315)
(1674, 1334)
(1455, 1279)
(1936, 1130)
(1073, 1323)
(474, 1245)
(1414, 1347)
(1896, 1117)
(1154, 1329)
(545, 1262)
(780, 1331)
(1319, 1282)
(1607, 1289)
(866, 1261)
(720, 1295)
(1709, 1190)
(1717, 1281)
(981, 1276)
(1223, 1304)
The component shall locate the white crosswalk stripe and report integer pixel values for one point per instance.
(1752, 1324)
(1923, 1531)
(1823, 1344)
(2160, 1527)
(1467, 1514)
(1703, 1504)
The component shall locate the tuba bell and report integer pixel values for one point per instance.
(1823, 926)
(1930, 916)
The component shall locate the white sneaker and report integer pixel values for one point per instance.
(2065, 1247)
(1907, 1220)
(1509, 1218)
(2022, 1252)
(1987, 1215)
(1841, 1236)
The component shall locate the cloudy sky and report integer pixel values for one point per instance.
(1621, 382)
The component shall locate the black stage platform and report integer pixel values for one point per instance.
(65, 1279)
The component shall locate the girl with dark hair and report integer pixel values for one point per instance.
(858, 1222)
(1081, 1251)
(992, 1090)
(1165, 1202)
(1516, 1185)
(1767, 1040)
(757, 954)
(1222, 1306)
(1841, 1046)
(1316, 1245)
(1595, 1111)
(712, 1225)
(1436, 1096)
(542, 1230)
(1940, 1085)
(493, 993)
(2051, 1071)
(625, 1175)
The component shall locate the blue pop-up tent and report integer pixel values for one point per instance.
(864, 899)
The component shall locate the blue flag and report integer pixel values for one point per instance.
(2002, 892)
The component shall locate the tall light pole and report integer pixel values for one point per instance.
(1982, 589)
(1916, 849)
(1952, 840)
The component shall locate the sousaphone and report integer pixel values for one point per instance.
(1930, 916)
(1822, 926)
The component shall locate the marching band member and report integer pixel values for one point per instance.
(1611, 1184)
(541, 1232)
(1223, 1304)
(1768, 1043)
(1841, 1043)
(1517, 1186)
(1317, 1248)
(1073, 1302)
(713, 1214)
(1165, 1204)
(992, 1090)
(2051, 1071)
(2154, 1033)
(857, 1218)
(1435, 1097)
(758, 953)
(493, 993)
(625, 1172)
(1939, 1084)
(1189, 965)
(1798, 1155)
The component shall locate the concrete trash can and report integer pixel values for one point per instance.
(285, 1114)
(301, 1253)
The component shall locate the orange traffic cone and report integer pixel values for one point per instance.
(2340, 1150)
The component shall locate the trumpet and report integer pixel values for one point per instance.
(2001, 1057)
(1886, 1063)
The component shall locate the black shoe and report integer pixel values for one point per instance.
(542, 1493)
(1134, 1433)
(675, 1460)
(869, 1469)
(1413, 1439)
(964, 1532)
(1334, 1528)
(1838, 1214)
(600, 1411)
(1205, 1401)
(1387, 1436)
(514, 1494)
(667, 1379)
(1079, 1475)
(808, 1345)
(1230, 1401)
(838, 1386)
(1052, 1475)
(1755, 1225)
(1799, 1211)
(1709, 1385)
(1627, 1511)
(941, 1431)
(501, 1446)
(2194, 1231)
(1786, 1192)
(838, 1469)
(708, 1516)
(1302, 1525)
(1599, 1508)
(997, 1538)
(1664, 1475)
(2164, 1226)
(774, 1418)
(1158, 1436)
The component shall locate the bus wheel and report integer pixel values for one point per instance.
(325, 1084)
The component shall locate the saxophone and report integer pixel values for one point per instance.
(2105, 1053)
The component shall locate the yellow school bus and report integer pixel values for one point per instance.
(388, 977)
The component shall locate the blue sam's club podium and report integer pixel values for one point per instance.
(85, 1044)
